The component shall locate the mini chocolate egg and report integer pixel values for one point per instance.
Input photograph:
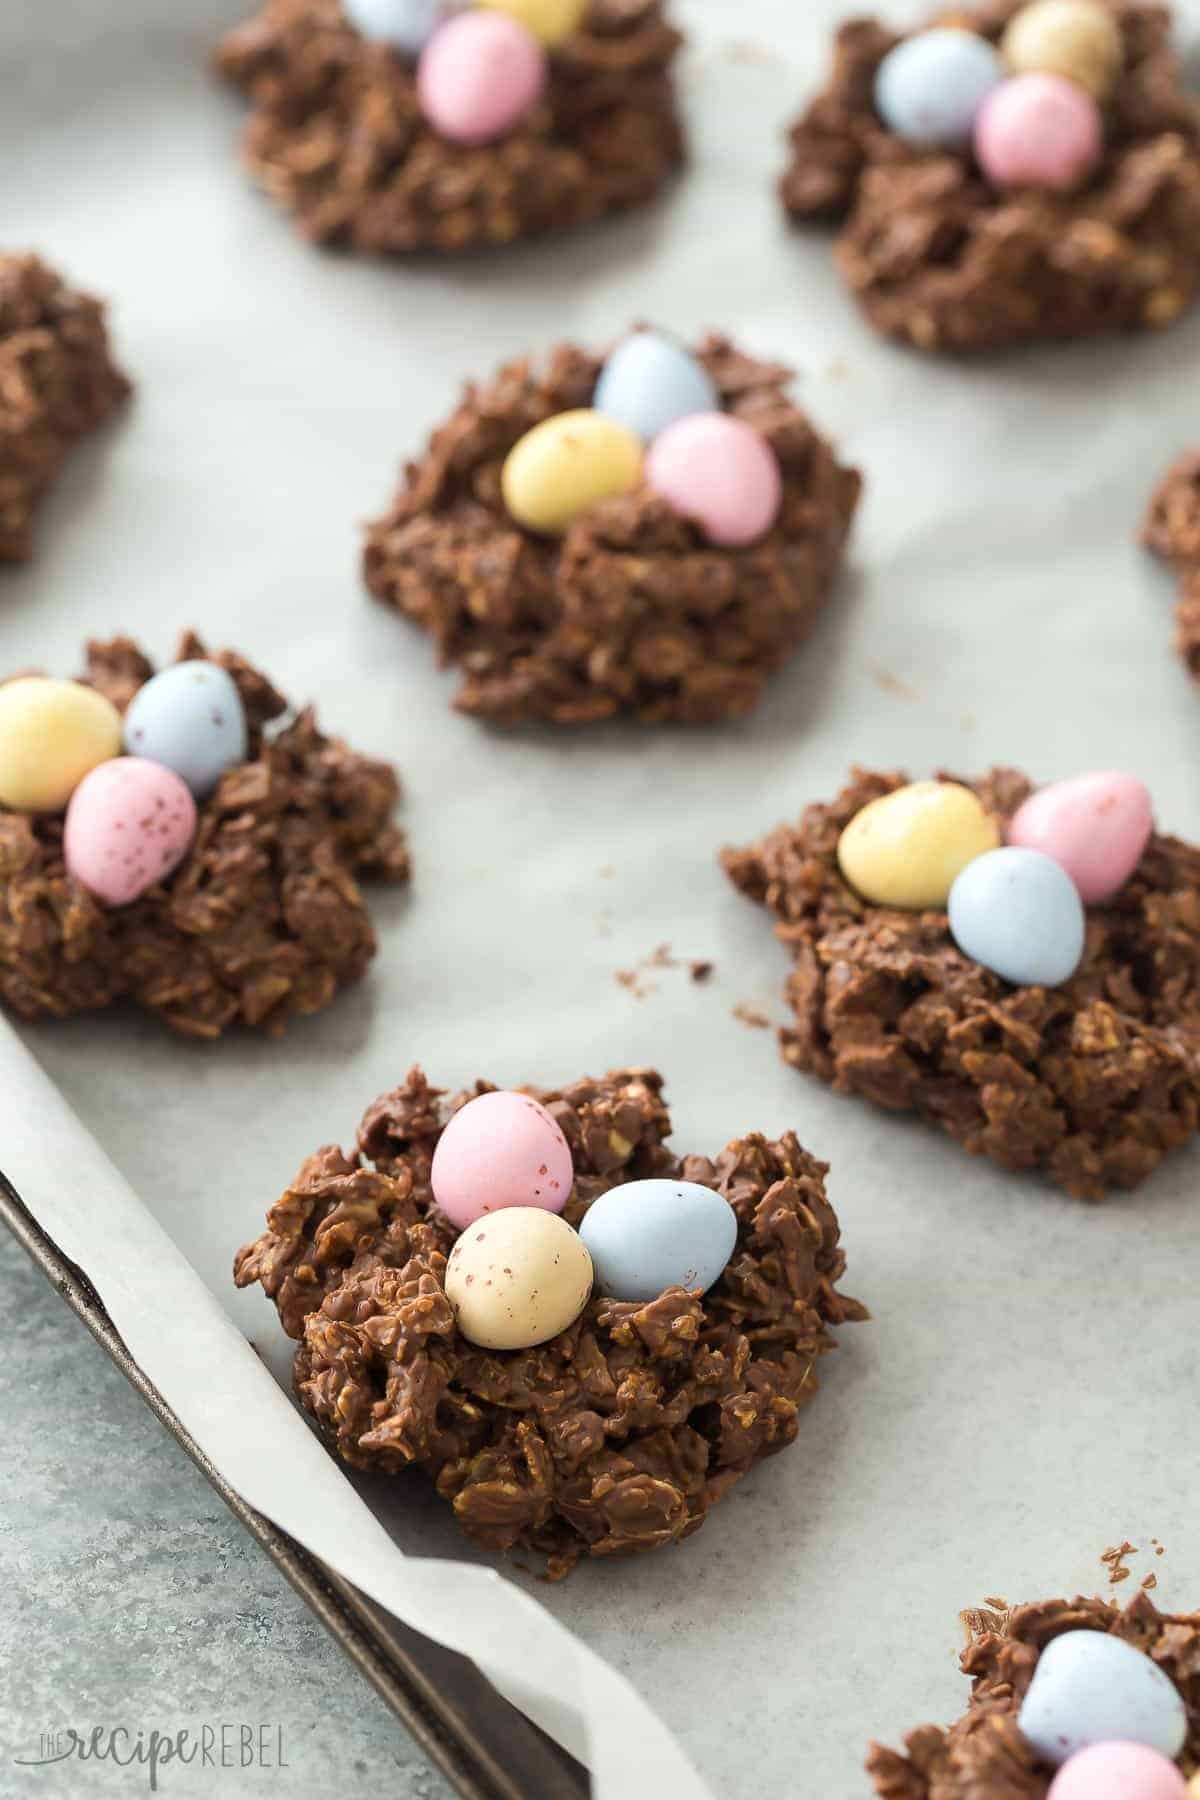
(1018, 913)
(189, 717)
(567, 464)
(407, 25)
(500, 1150)
(1118, 1771)
(1038, 131)
(646, 1236)
(517, 1278)
(552, 22)
(1090, 1688)
(1078, 39)
(649, 381)
(906, 848)
(130, 823)
(51, 734)
(479, 74)
(719, 472)
(1097, 826)
(929, 89)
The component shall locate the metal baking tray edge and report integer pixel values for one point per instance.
(488, 1749)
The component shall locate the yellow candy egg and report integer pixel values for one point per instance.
(566, 464)
(51, 734)
(517, 1277)
(1078, 39)
(906, 848)
(552, 22)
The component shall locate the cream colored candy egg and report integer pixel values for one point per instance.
(906, 848)
(566, 464)
(552, 22)
(1078, 39)
(52, 733)
(517, 1277)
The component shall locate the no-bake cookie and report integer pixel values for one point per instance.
(209, 892)
(987, 1754)
(939, 256)
(341, 132)
(1091, 1076)
(639, 601)
(1172, 530)
(619, 1433)
(57, 382)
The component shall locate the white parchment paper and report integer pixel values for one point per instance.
(1019, 1401)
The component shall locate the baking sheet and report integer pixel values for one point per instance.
(1014, 1406)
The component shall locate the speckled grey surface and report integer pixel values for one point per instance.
(130, 1596)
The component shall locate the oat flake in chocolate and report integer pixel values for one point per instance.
(263, 920)
(1093, 1082)
(984, 1756)
(1172, 530)
(57, 382)
(336, 135)
(619, 1434)
(632, 611)
(936, 257)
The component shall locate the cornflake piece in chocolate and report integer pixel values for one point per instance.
(262, 921)
(1093, 1082)
(936, 257)
(619, 1434)
(632, 610)
(1172, 530)
(57, 383)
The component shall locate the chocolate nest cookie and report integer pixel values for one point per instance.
(1172, 530)
(938, 258)
(261, 922)
(337, 135)
(617, 1435)
(57, 383)
(1093, 1081)
(632, 610)
(985, 1754)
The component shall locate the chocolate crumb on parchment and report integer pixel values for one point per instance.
(1114, 1558)
(263, 920)
(1172, 530)
(1093, 1082)
(336, 135)
(57, 382)
(984, 1754)
(619, 1434)
(632, 610)
(934, 256)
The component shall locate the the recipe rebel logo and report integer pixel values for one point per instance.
(149, 1750)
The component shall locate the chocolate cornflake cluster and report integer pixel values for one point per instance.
(619, 1434)
(1094, 1081)
(632, 610)
(936, 257)
(263, 920)
(57, 383)
(337, 137)
(1172, 530)
(985, 1754)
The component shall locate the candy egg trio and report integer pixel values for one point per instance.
(1030, 109)
(656, 418)
(130, 819)
(1014, 907)
(518, 1274)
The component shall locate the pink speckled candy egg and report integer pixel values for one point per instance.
(1096, 826)
(1118, 1771)
(130, 822)
(478, 74)
(500, 1150)
(720, 472)
(1038, 131)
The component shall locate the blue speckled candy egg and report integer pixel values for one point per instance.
(191, 718)
(407, 25)
(1089, 1687)
(930, 88)
(649, 1235)
(649, 381)
(1019, 914)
